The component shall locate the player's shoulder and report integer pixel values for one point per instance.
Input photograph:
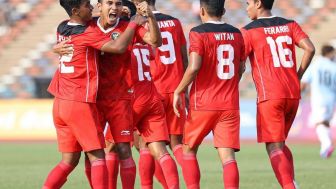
(211, 28)
(267, 22)
(163, 17)
(66, 29)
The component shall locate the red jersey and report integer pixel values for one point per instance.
(77, 76)
(167, 70)
(216, 85)
(270, 46)
(115, 80)
(144, 89)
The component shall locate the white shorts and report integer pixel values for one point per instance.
(321, 113)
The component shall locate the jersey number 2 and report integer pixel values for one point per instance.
(66, 69)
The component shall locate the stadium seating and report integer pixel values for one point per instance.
(27, 33)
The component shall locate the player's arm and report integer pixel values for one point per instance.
(188, 77)
(184, 53)
(309, 51)
(153, 36)
(120, 45)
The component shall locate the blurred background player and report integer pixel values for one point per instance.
(270, 45)
(171, 60)
(79, 68)
(216, 53)
(321, 78)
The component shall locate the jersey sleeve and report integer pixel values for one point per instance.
(180, 33)
(196, 43)
(247, 44)
(139, 35)
(298, 33)
(242, 51)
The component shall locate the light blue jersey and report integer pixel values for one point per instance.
(321, 75)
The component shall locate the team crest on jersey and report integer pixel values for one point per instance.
(115, 35)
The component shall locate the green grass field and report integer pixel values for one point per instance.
(25, 166)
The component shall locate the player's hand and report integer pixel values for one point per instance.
(139, 19)
(177, 104)
(143, 9)
(63, 48)
(126, 12)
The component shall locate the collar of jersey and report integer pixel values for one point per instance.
(215, 22)
(156, 12)
(109, 29)
(74, 24)
(273, 16)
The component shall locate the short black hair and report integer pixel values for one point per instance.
(213, 7)
(68, 5)
(326, 49)
(267, 4)
(131, 6)
(151, 2)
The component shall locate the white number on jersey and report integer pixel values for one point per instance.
(225, 61)
(169, 47)
(142, 58)
(66, 69)
(279, 56)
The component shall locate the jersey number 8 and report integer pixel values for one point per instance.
(225, 61)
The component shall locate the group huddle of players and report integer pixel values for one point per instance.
(129, 75)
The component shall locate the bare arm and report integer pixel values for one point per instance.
(242, 68)
(153, 37)
(120, 45)
(309, 51)
(188, 77)
(184, 53)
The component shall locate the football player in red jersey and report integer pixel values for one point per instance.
(270, 45)
(74, 86)
(171, 60)
(114, 98)
(215, 66)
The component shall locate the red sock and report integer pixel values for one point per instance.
(99, 174)
(191, 171)
(159, 175)
(169, 169)
(112, 164)
(282, 169)
(88, 171)
(231, 175)
(127, 173)
(289, 156)
(146, 169)
(58, 176)
(178, 153)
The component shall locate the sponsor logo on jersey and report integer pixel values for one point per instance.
(115, 35)
(125, 133)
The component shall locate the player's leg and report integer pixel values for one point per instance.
(273, 131)
(119, 116)
(154, 132)
(322, 115)
(226, 140)
(112, 161)
(90, 136)
(146, 166)
(58, 176)
(175, 126)
(198, 125)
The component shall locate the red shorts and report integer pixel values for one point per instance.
(224, 125)
(118, 114)
(175, 124)
(150, 121)
(77, 126)
(275, 118)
